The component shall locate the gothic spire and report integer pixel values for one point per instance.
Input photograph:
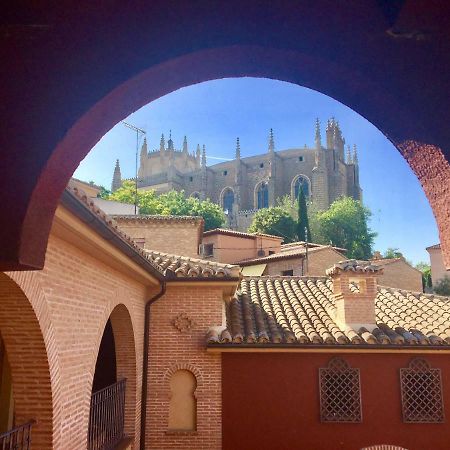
(349, 155)
(162, 143)
(238, 149)
(355, 155)
(204, 156)
(318, 139)
(185, 146)
(271, 142)
(117, 177)
(197, 153)
(170, 142)
(144, 150)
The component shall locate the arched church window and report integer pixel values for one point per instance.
(183, 404)
(263, 196)
(304, 183)
(228, 200)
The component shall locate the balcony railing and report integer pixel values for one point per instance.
(106, 421)
(18, 438)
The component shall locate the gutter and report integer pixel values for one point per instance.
(148, 304)
(80, 210)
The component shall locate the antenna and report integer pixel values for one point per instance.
(306, 249)
(138, 131)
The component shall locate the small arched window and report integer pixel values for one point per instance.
(304, 183)
(228, 200)
(195, 195)
(262, 196)
(183, 404)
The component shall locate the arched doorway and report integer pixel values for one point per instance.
(25, 371)
(113, 414)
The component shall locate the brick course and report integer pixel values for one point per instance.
(171, 350)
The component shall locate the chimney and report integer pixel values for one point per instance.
(355, 289)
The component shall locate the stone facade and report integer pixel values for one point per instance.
(243, 185)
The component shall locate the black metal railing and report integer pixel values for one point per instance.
(106, 420)
(18, 438)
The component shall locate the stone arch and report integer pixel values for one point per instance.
(30, 354)
(28, 224)
(195, 194)
(294, 184)
(223, 199)
(260, 197)
(126, 364)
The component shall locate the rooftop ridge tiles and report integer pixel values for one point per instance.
(302, 308)
(156, 217)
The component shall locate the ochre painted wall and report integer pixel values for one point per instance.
(271, 402)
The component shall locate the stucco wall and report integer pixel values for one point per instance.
(438, 270)
(271, 401)
(401, 275)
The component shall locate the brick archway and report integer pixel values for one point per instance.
(22, 334)
(70, 95)
(126, 364)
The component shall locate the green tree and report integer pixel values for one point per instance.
(426, 275)
(442, 287)
(392, 252)
(345, 224)
(170, 203)
(303, 230)
(274, 220)
(104, 193)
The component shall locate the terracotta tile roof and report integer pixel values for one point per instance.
(434, 247)
(174, 266)
(158, 218)
(288, 311)
(353, 265)
(300, 244)
(239, 234)
(298, 252)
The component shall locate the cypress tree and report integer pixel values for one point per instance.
(302, 223)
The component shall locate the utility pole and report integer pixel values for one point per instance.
(138, 131)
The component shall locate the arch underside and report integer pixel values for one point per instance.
(312, 49)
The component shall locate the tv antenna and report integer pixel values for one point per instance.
(139, 132)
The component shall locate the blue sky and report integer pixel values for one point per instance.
(216, 112)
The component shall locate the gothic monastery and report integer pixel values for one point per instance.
(243, 185)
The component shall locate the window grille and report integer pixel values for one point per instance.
(421, 389)
(340, 392)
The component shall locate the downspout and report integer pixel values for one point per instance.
(150, 301)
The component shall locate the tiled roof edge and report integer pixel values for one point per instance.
(85, 209)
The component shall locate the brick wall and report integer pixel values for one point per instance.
(176, 237)
(71, 300)
(355, 308)
(172, 349)
(401, 275)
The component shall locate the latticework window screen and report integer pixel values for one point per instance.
(421, 388)
(340, 392)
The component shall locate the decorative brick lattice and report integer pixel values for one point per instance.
(183, 323)
(340, 393)
(421, 388)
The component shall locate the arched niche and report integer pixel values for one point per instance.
(183, 401)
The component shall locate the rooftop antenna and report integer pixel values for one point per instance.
(306, 248)
(138, 132)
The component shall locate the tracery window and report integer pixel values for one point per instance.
(421, 388)
(228, 200)
(262, 196)
(340, 392)
(304, 183)
(183, 404)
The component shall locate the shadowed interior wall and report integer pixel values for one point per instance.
(271, 401)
